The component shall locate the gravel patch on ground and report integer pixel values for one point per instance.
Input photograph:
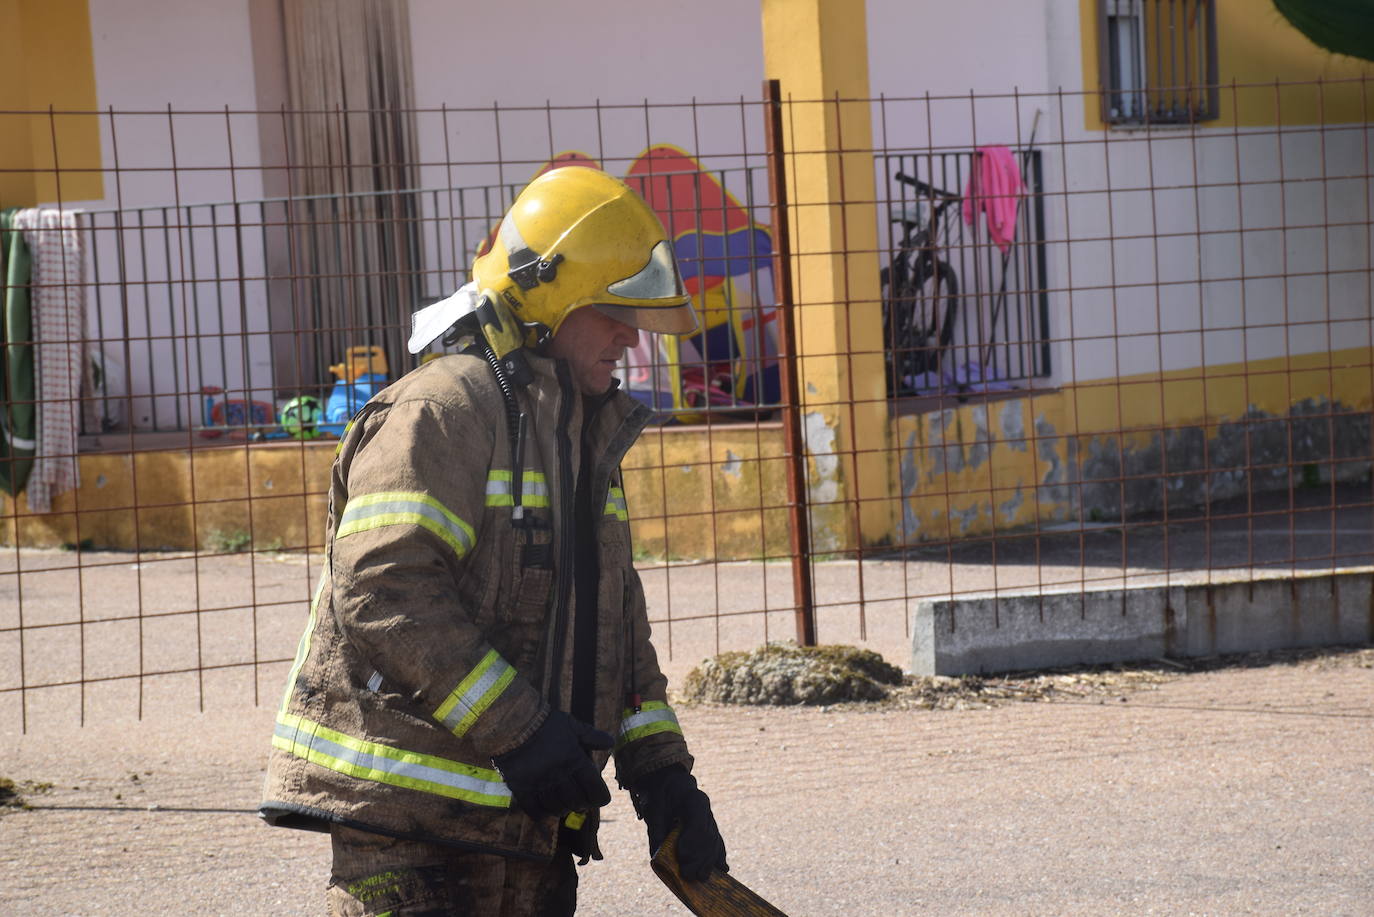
(783, 674)
(708, 685)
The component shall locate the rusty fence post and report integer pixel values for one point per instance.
(798, 510)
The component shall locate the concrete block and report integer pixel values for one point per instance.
(1302, 609)
(1355, 608)
(1013, 631)
(1251, 617)
(1005, 632)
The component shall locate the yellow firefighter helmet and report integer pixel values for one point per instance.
(579, 237)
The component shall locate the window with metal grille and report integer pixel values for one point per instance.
(1158, 61)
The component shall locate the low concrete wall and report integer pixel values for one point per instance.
(716, 492)
(1032, 630)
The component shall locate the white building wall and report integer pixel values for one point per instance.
(152, 55)
(1145, 272)
(1151, 268)
(950, 73)
(1186, 248)
(503, 88)
(194, 59)
(618, 54)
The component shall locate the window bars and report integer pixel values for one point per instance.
(1158, 61)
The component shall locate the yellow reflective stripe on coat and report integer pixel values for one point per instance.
(616, 505)
(534, 489)
(303, 645)
(373, 511)
(653, 717)
(339, 448)
(379, 763)
(475, 693)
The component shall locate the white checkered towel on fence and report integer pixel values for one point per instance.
(58, 303)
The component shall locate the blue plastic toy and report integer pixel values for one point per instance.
(360, 376)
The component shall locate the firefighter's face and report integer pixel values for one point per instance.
(592, 343)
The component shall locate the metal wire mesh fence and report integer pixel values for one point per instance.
(971, 369)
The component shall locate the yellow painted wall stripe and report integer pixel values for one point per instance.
(51, 64)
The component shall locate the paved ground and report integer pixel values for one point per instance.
(94, 622)
(204, 625)
(1233, 791)
(1240, 791)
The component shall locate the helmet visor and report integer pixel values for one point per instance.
(653, 298)
(674, 318)
(659, 279)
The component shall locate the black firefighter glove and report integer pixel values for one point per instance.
(670, 796)
(552, 773)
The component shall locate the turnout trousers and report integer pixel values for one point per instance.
(378, 876)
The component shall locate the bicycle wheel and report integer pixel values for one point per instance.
(895, 281)
(920, 314)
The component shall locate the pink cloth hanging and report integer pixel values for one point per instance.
(994, 189)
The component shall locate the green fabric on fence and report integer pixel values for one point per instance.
(1340, 26)
(18, 415)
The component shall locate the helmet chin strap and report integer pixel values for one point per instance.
(543, 334)
(503, 347)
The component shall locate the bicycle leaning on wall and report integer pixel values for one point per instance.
(920, 293)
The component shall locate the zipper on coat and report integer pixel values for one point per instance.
(586, 585)
(564, 534)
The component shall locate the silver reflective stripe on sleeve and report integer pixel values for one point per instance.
(379, 763)
(534, 489)
(373, 511)
(475, 693)
(653, 717)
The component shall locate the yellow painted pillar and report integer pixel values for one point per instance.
(48, 151)
(818, 51)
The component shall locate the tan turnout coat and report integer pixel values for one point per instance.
(441, 631)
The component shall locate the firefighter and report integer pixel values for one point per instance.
(478, 645)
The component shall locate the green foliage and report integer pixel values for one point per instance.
(10, 796)
(236, 541)
(1340, 26)
(1311, 475)
(232, 541)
